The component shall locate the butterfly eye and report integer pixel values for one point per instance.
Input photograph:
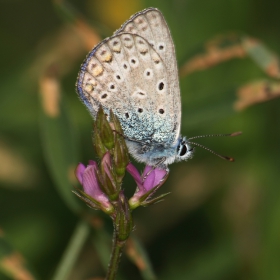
(183, 150)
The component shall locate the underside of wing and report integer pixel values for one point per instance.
(151, 25)
(125, 73)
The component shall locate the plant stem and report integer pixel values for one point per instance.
(72, 251)
(117, 249)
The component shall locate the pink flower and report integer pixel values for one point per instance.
(154, 178)
(87, 176)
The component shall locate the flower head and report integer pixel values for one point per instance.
(87, 176)
(151, 179)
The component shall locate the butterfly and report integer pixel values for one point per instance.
(134, 73)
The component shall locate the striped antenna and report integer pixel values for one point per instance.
(214, 135)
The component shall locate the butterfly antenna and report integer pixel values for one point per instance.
(216, 135)
(209, 150)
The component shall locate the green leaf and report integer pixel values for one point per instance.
(72, 251)
(60, 150)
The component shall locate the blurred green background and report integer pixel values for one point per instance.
(221, 221)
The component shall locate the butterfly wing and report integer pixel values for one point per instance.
(151, 25)
(134, 73)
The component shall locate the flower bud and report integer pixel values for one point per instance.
(97, 142)
(109, 177)
(124, 218)
(106, 133)
(121, 158)
(116, 123)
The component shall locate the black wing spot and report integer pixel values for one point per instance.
(140, 110)
(104, 95)
(112, 86)
(161, 86)
(127, 115)
(161, 111)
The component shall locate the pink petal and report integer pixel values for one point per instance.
(106, 162)
(106, 158)
(134, 173)
(91, 162)
(90, 183)
(147, 169)
(149, 182)
(79, 172)
(159, 175)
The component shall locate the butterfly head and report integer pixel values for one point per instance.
(184, 150)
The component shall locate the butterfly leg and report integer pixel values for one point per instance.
(159, 163)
